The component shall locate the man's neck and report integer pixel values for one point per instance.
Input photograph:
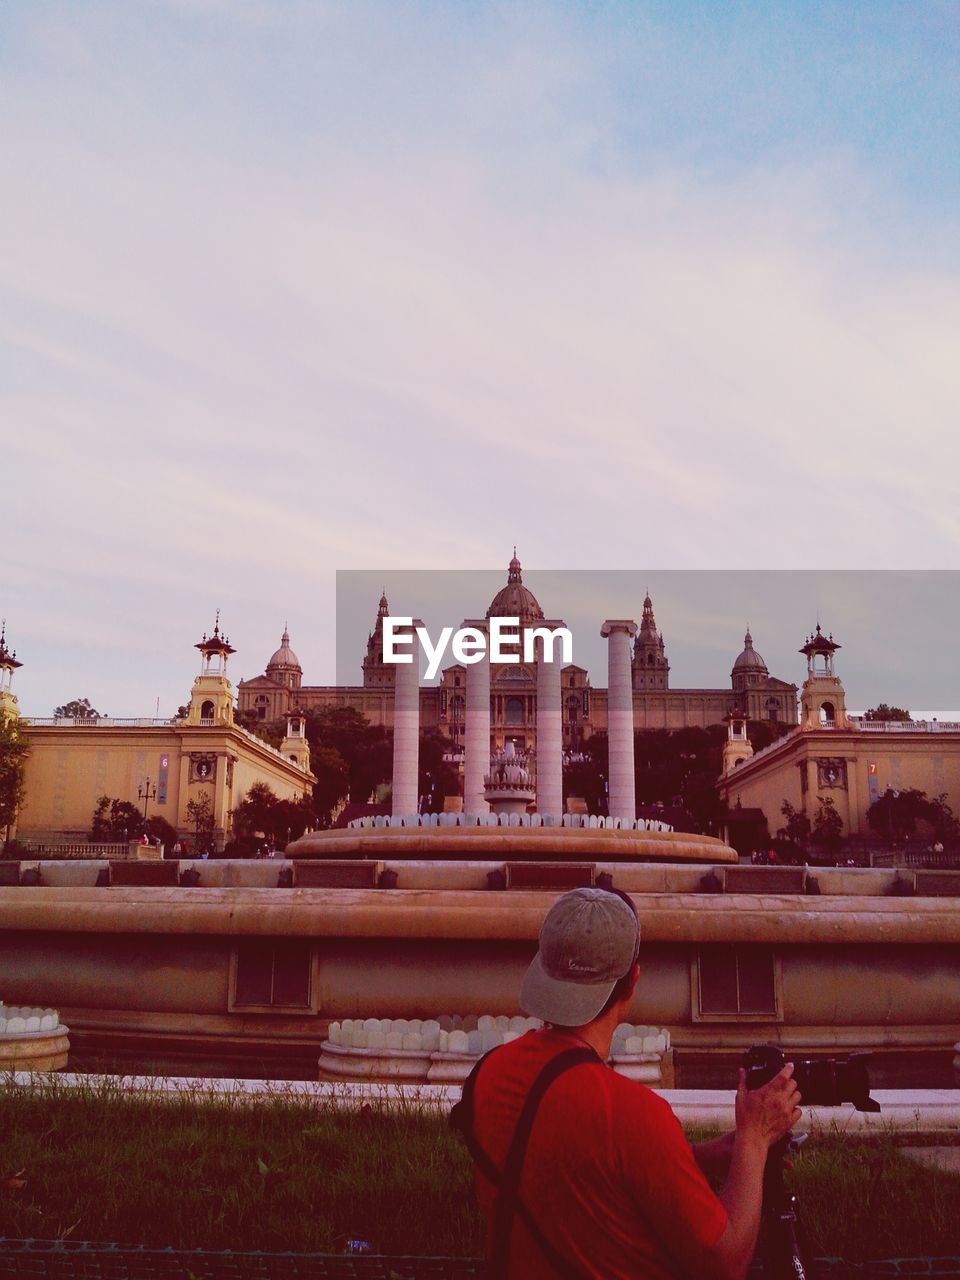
(597, 1034)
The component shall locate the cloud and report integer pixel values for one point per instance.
(351, 292)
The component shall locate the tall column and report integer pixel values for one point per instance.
(549, 733)
(622, 799)
(476, 737)
(406, 731)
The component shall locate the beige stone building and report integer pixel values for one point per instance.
(832, 755)
(513, 688)
(163, 764)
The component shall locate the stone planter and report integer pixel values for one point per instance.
(344, 1062)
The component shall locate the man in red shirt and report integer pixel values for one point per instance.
(596, 1179)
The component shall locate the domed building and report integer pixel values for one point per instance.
(513, 686)
(515, 600)
(284, 667)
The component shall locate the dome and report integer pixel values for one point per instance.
(749, 660)
(515, 600)
(284, 656)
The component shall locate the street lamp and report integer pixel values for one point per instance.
(145, 794)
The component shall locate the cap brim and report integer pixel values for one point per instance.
(566, 1004)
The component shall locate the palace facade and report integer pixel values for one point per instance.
(752, 690)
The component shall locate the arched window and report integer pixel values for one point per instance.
(514, 711)
(206, 710)
(828, 713)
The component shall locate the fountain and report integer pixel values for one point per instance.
(509, 787)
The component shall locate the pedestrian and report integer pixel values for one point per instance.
(583, 1173)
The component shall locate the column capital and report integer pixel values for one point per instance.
(618, 624)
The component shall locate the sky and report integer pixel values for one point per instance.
(294, 288)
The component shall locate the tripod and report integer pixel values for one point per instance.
(783, 1246)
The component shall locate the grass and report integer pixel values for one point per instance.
(287, 1174)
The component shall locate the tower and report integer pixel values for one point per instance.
(294, 745)
(211, 698)
(9, 708)
(378, 674)
(738, 746)
(651, 670)
(822, 697)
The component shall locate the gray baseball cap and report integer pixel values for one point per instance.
(588, 940)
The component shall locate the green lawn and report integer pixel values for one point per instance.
(290, 1175)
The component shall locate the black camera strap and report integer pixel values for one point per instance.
(507, 1181)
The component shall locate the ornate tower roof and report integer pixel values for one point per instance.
(216, 643)
(515, 600)
(749, 659)
(819, 643)
(8, 660)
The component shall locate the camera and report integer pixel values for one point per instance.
(823, 1082)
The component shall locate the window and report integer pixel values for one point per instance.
(261, 713)
(206, 710)
(737, 982)
(514, 711)
(273, 974)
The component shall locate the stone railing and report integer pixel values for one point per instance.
(73, 849)
(98, 722)
(905, 726)
(445, 1049)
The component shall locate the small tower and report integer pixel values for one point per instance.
(737, 747)
(295, 746)
(822, 697)
(9, 708)
(211, 699)
(651, 670)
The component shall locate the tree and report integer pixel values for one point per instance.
(115, 821)
(894, 814)
(366, 749)
(78, 709)
(261, 812)
(437, 778)
(14, 750)
(941, 816)
(333, 782)
(882, 712)
(827, 825)
(796, 829)
(200, 814)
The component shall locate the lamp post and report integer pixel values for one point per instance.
(145, 794)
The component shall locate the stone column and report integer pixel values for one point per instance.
(476, 736)
(549, 733)
(622, 798)
(406, 732)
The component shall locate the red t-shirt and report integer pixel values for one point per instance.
(608, 1176)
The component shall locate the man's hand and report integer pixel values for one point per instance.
(764, 1115)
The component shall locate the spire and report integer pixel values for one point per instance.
(513, 569)
(648, 623)
(383, 607)
(748, 638)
